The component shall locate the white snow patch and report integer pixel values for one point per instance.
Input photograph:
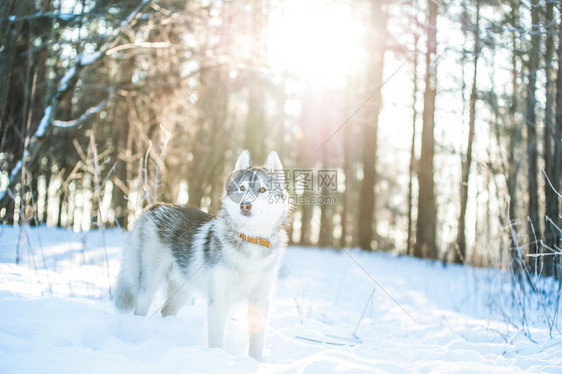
(68, 16)
(63, 85)
(56, 317)
(44, 122)
(89, 58)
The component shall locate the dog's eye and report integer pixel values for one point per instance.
(262, 189)
(242, 188)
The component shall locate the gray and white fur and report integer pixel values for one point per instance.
(192, 251)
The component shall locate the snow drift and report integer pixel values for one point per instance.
(327, 316)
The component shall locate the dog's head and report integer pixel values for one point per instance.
(255, 197)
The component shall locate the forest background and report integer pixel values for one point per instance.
(430, 128)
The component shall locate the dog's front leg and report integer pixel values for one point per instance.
(258, 309)
(216, 321)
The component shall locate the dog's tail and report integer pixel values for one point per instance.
(128, 281)
(124, 297)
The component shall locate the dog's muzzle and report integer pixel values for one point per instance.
(245, 208)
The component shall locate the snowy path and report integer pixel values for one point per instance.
(60, 320)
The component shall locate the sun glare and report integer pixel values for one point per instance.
(318, 40)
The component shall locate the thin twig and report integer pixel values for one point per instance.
(550, 184)
(369, 301)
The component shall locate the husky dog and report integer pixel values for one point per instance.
(228, 258)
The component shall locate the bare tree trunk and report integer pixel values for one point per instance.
(40, 95)
(534, 229)
(514, 138)
(426, 245)
(14, 86)
(306, 221)
(557, 160)
(346, 197)
(122, 123)
(62, 199)
(367, 204)
(214, 98)
(39, 100)
(325, 237)
(459, 256)
(412, 148)
(217, 187)
(551, 234)
(253, 135)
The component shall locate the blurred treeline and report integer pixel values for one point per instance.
(106, 106)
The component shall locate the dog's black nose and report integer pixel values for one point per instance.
(245, 208)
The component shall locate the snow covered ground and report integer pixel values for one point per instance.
(56, 317)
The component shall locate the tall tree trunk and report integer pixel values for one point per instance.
(40, 95)
(534, 229)
(306, 221)
(367, 221)
(426, 245)
(346, 197)
(14, 86)
(325, 236)
(119, 198)
(255, 120)
(37, 106)
(65, 137)
(48, 174)
(459, 255)
(216, 181)
(557, 161)
(214, 98)
(412, 148)
(63, 197)
(303, 179)
(28, 188)
(551, 234)
(514, 138)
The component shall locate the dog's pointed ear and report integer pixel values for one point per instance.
(273, 164)
(243, 161)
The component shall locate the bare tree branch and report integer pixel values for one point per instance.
(87, 114)
(67, 83)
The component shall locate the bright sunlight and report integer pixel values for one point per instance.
(319, 40)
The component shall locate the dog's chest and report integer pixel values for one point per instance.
(244, 271)
(248, 257)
